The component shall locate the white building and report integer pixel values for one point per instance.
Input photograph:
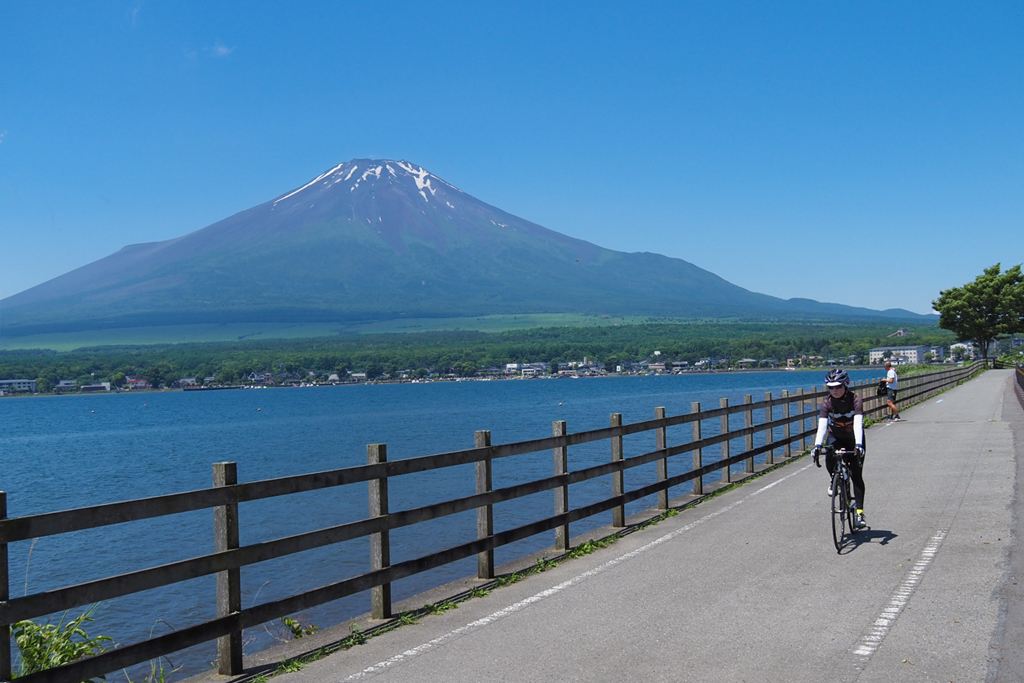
(899, 355)
(967, 347)
(17, 385)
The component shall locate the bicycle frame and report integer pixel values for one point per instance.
(842, 511)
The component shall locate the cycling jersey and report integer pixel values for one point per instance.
(839, 412)
(843, 418)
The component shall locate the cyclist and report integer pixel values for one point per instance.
(842, 417)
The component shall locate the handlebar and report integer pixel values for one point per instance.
(832, 449)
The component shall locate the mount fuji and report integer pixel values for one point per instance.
(377, 240)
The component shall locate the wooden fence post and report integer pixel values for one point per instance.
(561, 456)
(787, 451)
(870, 398)
(726, 471)
(769, 434)
(801, 409)
(485, 513)
(862, 385)
(5, 595)
(698, 455)
(810, 419)
(880, 404)
(380, 543)
(748, 421)
(618, 478)
(229, 583)
(661, 443)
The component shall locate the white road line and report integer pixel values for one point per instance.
(491, 618)
(873, 636)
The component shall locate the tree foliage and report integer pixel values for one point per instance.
(460, 352)
(986, 309)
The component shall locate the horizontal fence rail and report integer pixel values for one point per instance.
(794, 414)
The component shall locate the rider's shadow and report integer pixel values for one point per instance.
(870, 535)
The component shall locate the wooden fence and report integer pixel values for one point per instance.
(796, 423)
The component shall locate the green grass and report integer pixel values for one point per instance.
(171, 334)
(182, 334)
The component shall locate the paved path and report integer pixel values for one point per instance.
(748, 586)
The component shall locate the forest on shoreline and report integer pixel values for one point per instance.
(463, 353)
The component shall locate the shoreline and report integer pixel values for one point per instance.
(429, 381)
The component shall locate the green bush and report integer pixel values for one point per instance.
(298, 629)
(1011, 359)
(44, 646)
(907, 370)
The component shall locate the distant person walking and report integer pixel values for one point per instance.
(893, 380)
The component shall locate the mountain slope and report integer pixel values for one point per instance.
(379, 240)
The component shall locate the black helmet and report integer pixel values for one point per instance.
(836, 378)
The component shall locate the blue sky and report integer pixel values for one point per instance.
(770, 143)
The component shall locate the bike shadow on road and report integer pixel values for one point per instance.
(868, 535)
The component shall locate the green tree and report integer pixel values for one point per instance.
(463, 369)
(983, 310)
(43, 385)
(373, 370)
(158, 374)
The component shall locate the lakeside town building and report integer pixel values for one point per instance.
(12, 385)
(904, 355)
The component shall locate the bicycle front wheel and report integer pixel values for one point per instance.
(840, 511)
(851, 508)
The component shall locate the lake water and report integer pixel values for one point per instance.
(73, 451)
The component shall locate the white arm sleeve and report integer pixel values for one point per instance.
(858, 429)
(819, 438)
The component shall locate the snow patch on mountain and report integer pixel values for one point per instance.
(427, 184)
(422, 178)
(311, 182)
(372, 171)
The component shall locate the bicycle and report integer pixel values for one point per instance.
(843, 505)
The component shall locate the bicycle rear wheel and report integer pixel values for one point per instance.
(840, 510)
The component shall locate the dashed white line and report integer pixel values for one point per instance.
(872, 638)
